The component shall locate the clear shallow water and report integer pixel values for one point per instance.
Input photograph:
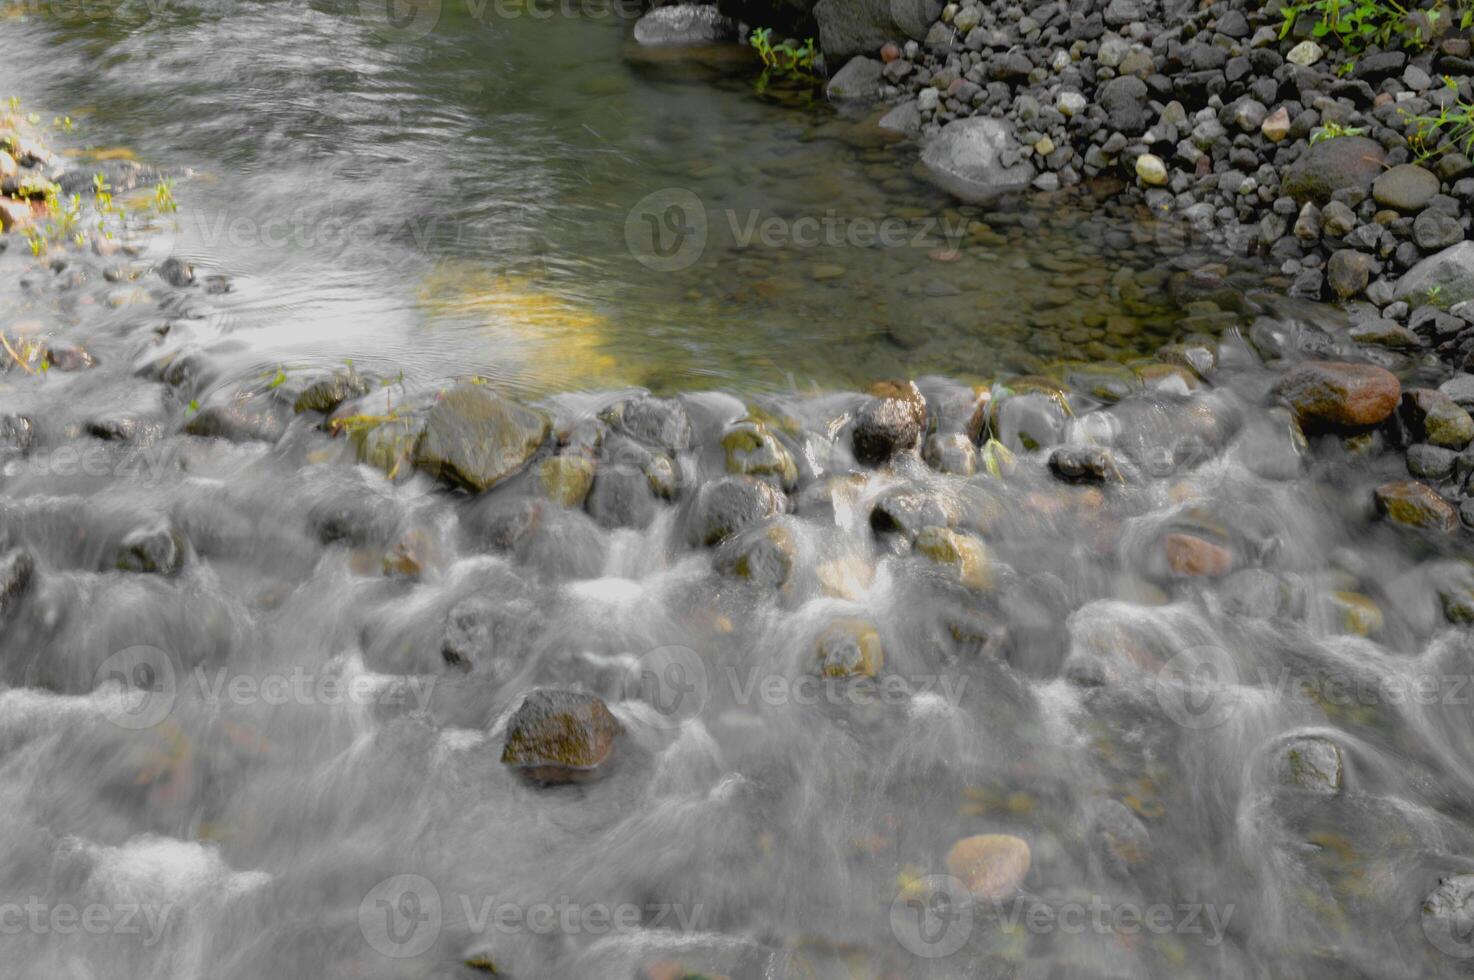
(240, 763)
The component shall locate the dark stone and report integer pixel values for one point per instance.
(326, 394)
(154, 551)
(1125, 102)
(252, 418)
(724, 507)
(889, 422)
(1084, 464)
(1332, 165)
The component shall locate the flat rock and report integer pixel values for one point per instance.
(858, 79)
(1407, 187)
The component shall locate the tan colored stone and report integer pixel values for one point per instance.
(991, 866)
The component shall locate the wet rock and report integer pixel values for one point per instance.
(17, 434)
(1123, 838)
(991, 866)
(889, 422)
(1348, 273)
(1354, 613)
(67, 358)
(1407, 188)
(1310, 763)
(1345, 163)
(328, 393)
(1433, 417)
(176, 272)
(660, 422)
(1340, 394)
(558, 736)
(357, 515)
(1414, 504)
(1028, 420)
(253, 418)
(621, 496)
(951, 452)
(388, 445)
(1442, 280)
(566, 479)
(1084, 464)
(905, 511)
(484, 634)
(850, 648)
(475, 438)
(962, 556)
(977, 159)
(1189, 556)
(764, 556)
(859, 79)
(683, 24)
(724, 507)
(1430, 462)
(153, 551)
(753, 450)
(17, 573)
(1448, 914)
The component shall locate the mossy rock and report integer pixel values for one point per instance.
(558, 736)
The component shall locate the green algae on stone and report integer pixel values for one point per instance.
(753, 450)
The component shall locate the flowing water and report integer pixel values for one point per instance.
(1222, 705)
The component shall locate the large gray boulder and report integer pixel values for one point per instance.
(850, 27)
(684, 24)
(976, 159)
(1441, 280)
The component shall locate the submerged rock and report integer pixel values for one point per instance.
(976, 159)
(991, 866)
(17, 572)
(558, 736)
(762, 555)
(1340, 394)
(254, 418)
(951, 452)
(891, 421)
(962, 555)
(481, 634)
(157, 551)
(475, 438)
(660, 422)
(850, 648)
(1308, 762)
(326, 394)
(1084, 464)
(726, 506)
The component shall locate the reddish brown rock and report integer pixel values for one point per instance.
(1193, 557)
(1414, 504)
(992, 866)
(1340, 394)
(560, 736)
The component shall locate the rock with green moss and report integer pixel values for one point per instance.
(1416, 505)
(962, 556)
(566, 479)
(476, 438)
(753, 450)
(1311, 763)
(387, 444)
(558, 736)
(850, 648)
(1433, 417)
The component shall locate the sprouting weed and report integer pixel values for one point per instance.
(997, 458)
(1332, 131)
(1451, 128)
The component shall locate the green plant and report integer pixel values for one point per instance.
(1360, 24)
(1332, 131)
(788, 58)
(1451, 128)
